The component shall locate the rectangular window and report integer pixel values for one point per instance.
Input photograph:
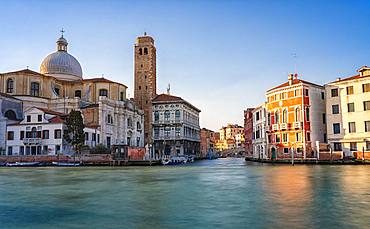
(277, 138)
(366, 87)
(35, 89)
(86, 136)
(353, 146)
(308, 137)
(21, 135)
(286, 150)
(93, 137)
(21, 150)
(366, 105)
(57, 134)
(45, 149)
(337, 146)
(349, 90)
(367, 145)
(10, 135)
(322, 95)
(121, 97)
(367, 126)
(28, 118)
(305, 92)
(285, 137)
(10, 150)
(351, 107)
(335, 109)
(352, 127)
(325, 138)
(39, 118)
(323, 118)
(57, 148)
(334, 92)
(336, 128)
(298, 137)
(45, 134)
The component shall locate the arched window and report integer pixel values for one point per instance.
(156, 116)
(9, 86)
(177, 114)
(285, 116)
(167, 115)
(297, 114)
(140, 51)
(145, 51)
(35, 89)
(78, 93)
(103, 92)
(276, 116)
(129, 122)
(33, 132)
(10, 115)
(269, 118)
(138, 126)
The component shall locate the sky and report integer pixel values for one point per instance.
(221, 56)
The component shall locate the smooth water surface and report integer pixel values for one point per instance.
(223, 193)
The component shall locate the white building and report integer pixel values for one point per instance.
(60, 87)
(259, 140)
(348, 113)
(176, 129)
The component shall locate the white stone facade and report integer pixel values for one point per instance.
(348, 113)
(259, 140)
(176, 129)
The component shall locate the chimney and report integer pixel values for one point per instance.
(295, 76)
(290, 79)
(338, 79)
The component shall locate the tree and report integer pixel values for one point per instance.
(74, 133)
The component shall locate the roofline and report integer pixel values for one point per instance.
(178, 101)
(301, 82)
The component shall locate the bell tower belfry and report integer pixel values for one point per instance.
(145, 80)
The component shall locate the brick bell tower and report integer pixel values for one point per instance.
(145, 80)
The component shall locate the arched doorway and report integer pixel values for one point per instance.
(273, 153)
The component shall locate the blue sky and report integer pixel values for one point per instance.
(219, 55)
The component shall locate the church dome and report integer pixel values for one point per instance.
(61, 64)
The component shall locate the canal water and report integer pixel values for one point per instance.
(223, 193)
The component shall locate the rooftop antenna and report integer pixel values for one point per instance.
(62, 31)
(168, 88)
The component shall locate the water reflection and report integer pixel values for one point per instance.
(225, 193)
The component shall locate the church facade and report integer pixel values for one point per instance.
(60, 87)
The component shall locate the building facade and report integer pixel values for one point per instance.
(230, 137)
(207, 142)
(175, 126)
(248, 131)
(259, 141)
(295, 118)
(348, 114)
(60, 87)
(145, 80)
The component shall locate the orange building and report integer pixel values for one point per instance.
(295, 119)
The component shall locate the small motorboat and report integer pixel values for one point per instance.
(23, 164)
(175, 160)
(65, 164)
(165, 161)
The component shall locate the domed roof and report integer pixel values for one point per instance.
(61, 64)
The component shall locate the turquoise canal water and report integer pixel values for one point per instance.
(223, 193)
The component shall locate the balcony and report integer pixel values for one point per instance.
(275, 127)
(297, 125)
(32, 141)
(283, 126)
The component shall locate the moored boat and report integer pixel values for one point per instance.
(23, 164)
(64, 164)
